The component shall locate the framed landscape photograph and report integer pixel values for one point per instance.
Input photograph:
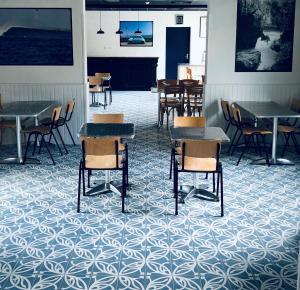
(265, 35)
(136, 33)
(36, 36)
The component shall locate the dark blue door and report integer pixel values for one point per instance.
(177, 49)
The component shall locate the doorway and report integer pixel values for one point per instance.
(177, 49)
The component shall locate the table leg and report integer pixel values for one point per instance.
(19, 143)
(158, 107)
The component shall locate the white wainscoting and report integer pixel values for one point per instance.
(279, 93)
(58, 92)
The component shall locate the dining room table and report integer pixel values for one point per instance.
(274, 111)
(178, 134)
(105, 130)
(19, 110)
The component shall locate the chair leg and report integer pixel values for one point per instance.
(295, 142)
(62, 141)
(171, 165)
(83, 180)
(123, 188)
(236, 144)
(89, 178)
(175, 177)
(222, 201)
(70, 134)
(227, 127)
(244, 149)
(47, 147)
(218, 181)
(127, 167)
(287, 139)
(232, 141)
(266, 149)
(110, 96)
(26, 150)
(214, 183)
(35, 143)
(79, 186)
(58, 147)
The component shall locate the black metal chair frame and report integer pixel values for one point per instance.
(83, 168)
(37, 133)
(218, 171)
(194, 92)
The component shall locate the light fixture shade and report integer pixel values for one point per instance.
(139, 32)
(100, 31)
(119, 31)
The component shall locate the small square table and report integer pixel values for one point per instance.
(269, 110)
(103, 130)
(194, 133)
(23, 109)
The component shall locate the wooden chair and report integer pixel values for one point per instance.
(42, 131)
(95, 87)
(194, 122)
(249, 134)
(101, 154)
(171, 101)
(194, 99)
(62, 121)
(105, 83)
(186, 83)
(226, 113)
(6, 123)
(189, 73)
(199, 156)
(288, 128)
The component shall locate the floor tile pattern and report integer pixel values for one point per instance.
(46, 244)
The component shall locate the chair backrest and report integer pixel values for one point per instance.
(195, 90)
(108, 118)
(103, 74)
(295, 105)
(94, 81)
(236, 115)
(173, 90)
(225, 110)
(189, 74)
(99, 146)
(165, 82)
(188, 82)
(199, 122)
(69, 110)
(56, 114)
(201, 148)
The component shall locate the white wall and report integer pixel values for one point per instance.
(224, 82)
(59, 83)
(108, 44)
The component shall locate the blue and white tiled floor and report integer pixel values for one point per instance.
(46, 244)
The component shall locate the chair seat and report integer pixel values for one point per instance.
(102, 162)
(287, 129)
(251, 131)
(38, 129)
(198, 164)
(8, 124)
(96, 90)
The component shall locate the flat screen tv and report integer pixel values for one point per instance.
(36, 36)
(129, 37)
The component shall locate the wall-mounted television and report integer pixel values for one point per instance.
(130, 38)
(36, 36)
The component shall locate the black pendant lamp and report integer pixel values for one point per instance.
(138, 31)
(100, 31)
(119, 31)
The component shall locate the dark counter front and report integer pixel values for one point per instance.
(127, 73)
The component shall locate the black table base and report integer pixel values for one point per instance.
(113, 186)
(185, 191)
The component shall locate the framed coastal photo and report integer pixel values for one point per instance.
(36, 36)
(202, 31)
(265, 35)
(130, 37)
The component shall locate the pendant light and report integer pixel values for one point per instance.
(100, 31)
(138, 31)
(119, 31)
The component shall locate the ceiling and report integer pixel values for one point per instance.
(141, 4)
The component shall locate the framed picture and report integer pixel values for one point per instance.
(202, 31)
(136, 33)
(264, 36)
(36, 36)
(179, 19)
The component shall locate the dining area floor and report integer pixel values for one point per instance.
(46, 244)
